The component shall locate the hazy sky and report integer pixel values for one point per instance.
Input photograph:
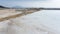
(31, 3)
(25, 3)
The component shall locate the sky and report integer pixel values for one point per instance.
(30, 3)
(25, 3)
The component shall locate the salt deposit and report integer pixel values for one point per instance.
(41, 22)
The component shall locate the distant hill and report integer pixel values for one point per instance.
(3, 6)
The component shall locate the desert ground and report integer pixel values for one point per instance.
(13, 13)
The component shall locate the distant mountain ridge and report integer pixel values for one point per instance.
(3, 7)
(14, 7)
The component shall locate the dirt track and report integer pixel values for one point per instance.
(9, 12)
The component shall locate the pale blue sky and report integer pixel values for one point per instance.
(19, 2)
(31, 3)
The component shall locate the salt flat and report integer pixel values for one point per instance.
(41, 22)
(47, 20)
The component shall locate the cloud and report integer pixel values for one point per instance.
(53, 3)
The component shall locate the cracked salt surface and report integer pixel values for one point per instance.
(42, 22)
